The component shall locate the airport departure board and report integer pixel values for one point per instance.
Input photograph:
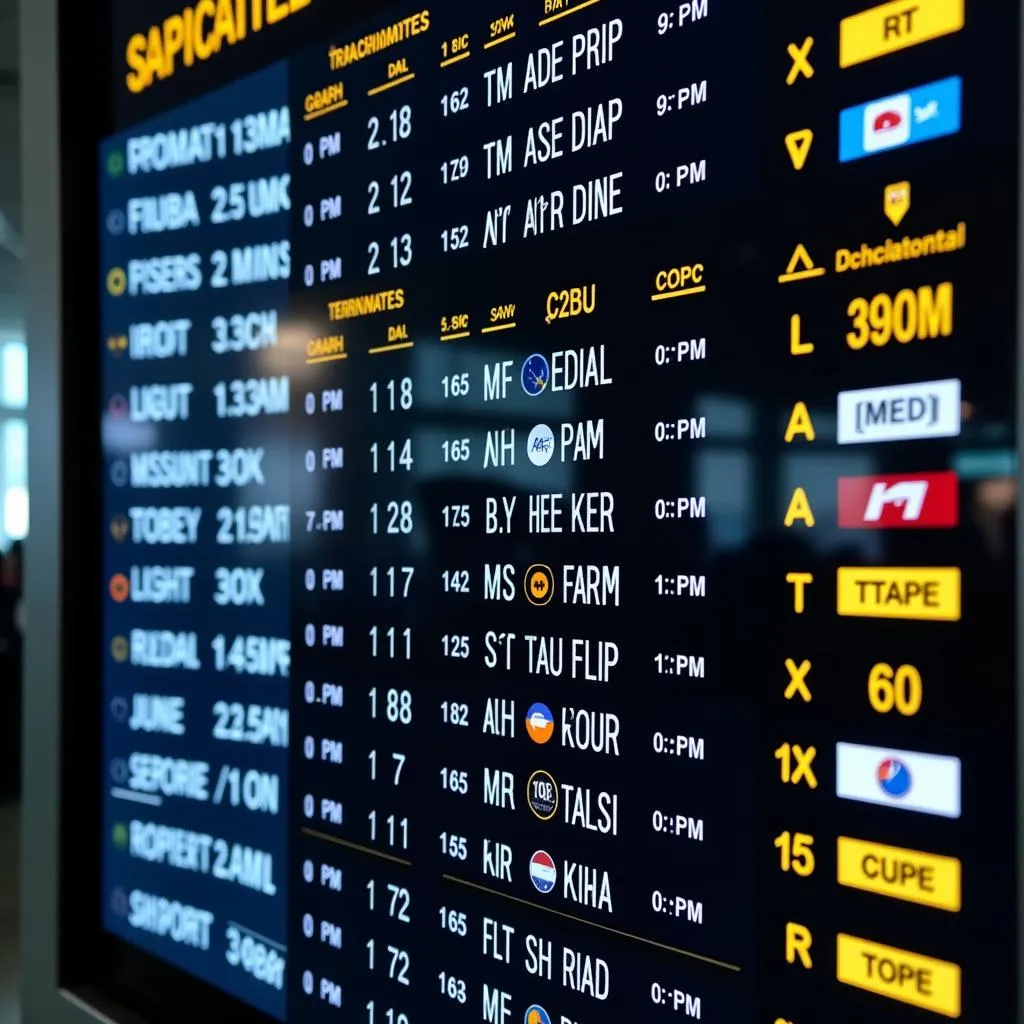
(559, 473)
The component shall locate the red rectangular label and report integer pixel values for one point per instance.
(899, 500)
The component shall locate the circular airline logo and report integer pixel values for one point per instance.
(540, 445)
(542, 795)
(894, 777)
(116, 282)
(536, 1015)
(115, 164)
(119, 528)
(539, 584)
(119, 902)
(119, 708)
(119, 587)
(115, 222)
(117, 344)
(540, 723)
(119, 648)
(543, 872)
(118, 407)
(535, 374)
(119, 473)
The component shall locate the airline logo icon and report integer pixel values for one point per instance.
(536, 1015)
(905, 779)
(543, 872)
(902, 412)
(908, 500)
(904, 119)
(535, 374)
(540, 445)
(540, 723)
(539, 584)
(542, 794)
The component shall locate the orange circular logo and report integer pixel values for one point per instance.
(539, 584)
(119, 587)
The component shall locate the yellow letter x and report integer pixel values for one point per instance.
(803, 769)
(798, 679)
(801, 65)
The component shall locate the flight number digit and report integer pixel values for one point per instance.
(456, 516)
(400, 123)
(395, 455)
(401, 192)
(455, 781)
(900, 688)
(796, 853)
(392, 580)
(397, 706)
(388, 1016)
(454, 921)
(456, 581)
(390, 396)
(453, 988)
(456, 237)
(397, 517)
(390, 642)
(398, 904)
(398, 964)
(455, 385)
(394, 831)
(455, 169)
(455, 713)
(396, 773)
(401, 253)
(456, 847)
(456, 450)
(455, 646)
(455, 102)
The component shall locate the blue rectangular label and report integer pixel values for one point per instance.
(903, 119)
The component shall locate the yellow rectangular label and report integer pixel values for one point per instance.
(895, 26)
(908, 977)
(891, 593)
(902, 874)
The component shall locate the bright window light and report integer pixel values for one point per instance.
(14, 375)
(16, 512)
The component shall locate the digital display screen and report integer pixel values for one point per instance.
(559, 474)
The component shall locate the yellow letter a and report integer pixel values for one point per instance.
(799, 423)
(799, 508)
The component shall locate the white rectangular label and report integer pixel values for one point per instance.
(900, 412)
(906, 779)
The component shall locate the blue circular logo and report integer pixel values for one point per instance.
(894, 777)
(535, 374)
(536, 1015)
